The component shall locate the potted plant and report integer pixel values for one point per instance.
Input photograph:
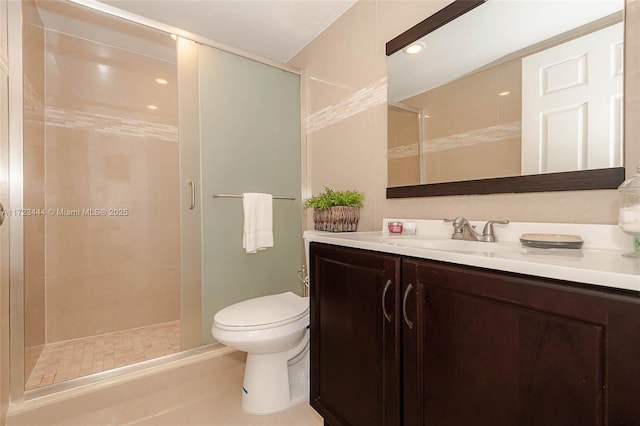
(336, 211)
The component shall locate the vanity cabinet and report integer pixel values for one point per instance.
(458, 345)
(355, 345)
(482, 347)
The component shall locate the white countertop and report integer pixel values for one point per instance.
(598, 262)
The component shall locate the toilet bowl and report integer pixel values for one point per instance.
(273, 330)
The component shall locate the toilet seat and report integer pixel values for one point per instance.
(263, 312)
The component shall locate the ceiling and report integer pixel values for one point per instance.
(274, 29)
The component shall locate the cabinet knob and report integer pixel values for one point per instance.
(404, 307)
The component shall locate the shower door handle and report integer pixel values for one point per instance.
(192, 194)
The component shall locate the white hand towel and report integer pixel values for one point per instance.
(258, 221)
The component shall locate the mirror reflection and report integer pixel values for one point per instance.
(484, 98)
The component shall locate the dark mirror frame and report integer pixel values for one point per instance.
(565, 181)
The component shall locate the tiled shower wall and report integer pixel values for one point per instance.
(347, 61)
(106, 152)
(107, 238)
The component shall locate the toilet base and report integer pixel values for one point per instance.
(276, 381)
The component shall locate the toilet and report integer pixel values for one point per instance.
(274, 331)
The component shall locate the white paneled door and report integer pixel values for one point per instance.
(572, 104)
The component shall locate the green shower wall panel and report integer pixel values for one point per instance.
(250, 142)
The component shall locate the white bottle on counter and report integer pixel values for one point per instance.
(629, 217)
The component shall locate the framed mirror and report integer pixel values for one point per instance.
(517, 96)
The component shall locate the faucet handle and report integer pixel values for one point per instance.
(487, 231)
(458, 222)
(459, 226)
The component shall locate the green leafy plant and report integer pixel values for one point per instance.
(331, 198)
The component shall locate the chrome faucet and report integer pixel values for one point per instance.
(463, 230)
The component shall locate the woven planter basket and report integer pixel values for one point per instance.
(336, 219)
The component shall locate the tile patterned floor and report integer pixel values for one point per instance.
(80, 357)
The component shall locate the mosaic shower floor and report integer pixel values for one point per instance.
(70, 359)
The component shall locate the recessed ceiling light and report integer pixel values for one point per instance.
(426, 116)
(103, 70)
(414, 48)
(161, 81)
(152, 107)
(504, 93)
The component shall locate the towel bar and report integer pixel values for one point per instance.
(275, 197)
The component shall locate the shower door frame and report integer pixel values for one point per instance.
(14, 177)
(16, 223)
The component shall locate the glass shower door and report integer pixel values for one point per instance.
(101, 183)
(250, 141)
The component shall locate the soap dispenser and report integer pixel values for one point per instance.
(629, 218)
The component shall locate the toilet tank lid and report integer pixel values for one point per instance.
(263, 310)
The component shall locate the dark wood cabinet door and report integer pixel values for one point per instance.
(355, 349)
(489, 348)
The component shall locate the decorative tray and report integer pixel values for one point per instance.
(551, 241)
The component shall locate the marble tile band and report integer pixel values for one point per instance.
(365, 98)
(489, 134)
(109, 124)
(4, 58)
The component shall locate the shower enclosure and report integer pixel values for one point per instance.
(101, 193)
(128, 131)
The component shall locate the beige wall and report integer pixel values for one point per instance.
(106, 150)
(345, 72)
(632, 86)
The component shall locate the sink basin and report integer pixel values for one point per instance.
(502, 249)
(459, 246)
